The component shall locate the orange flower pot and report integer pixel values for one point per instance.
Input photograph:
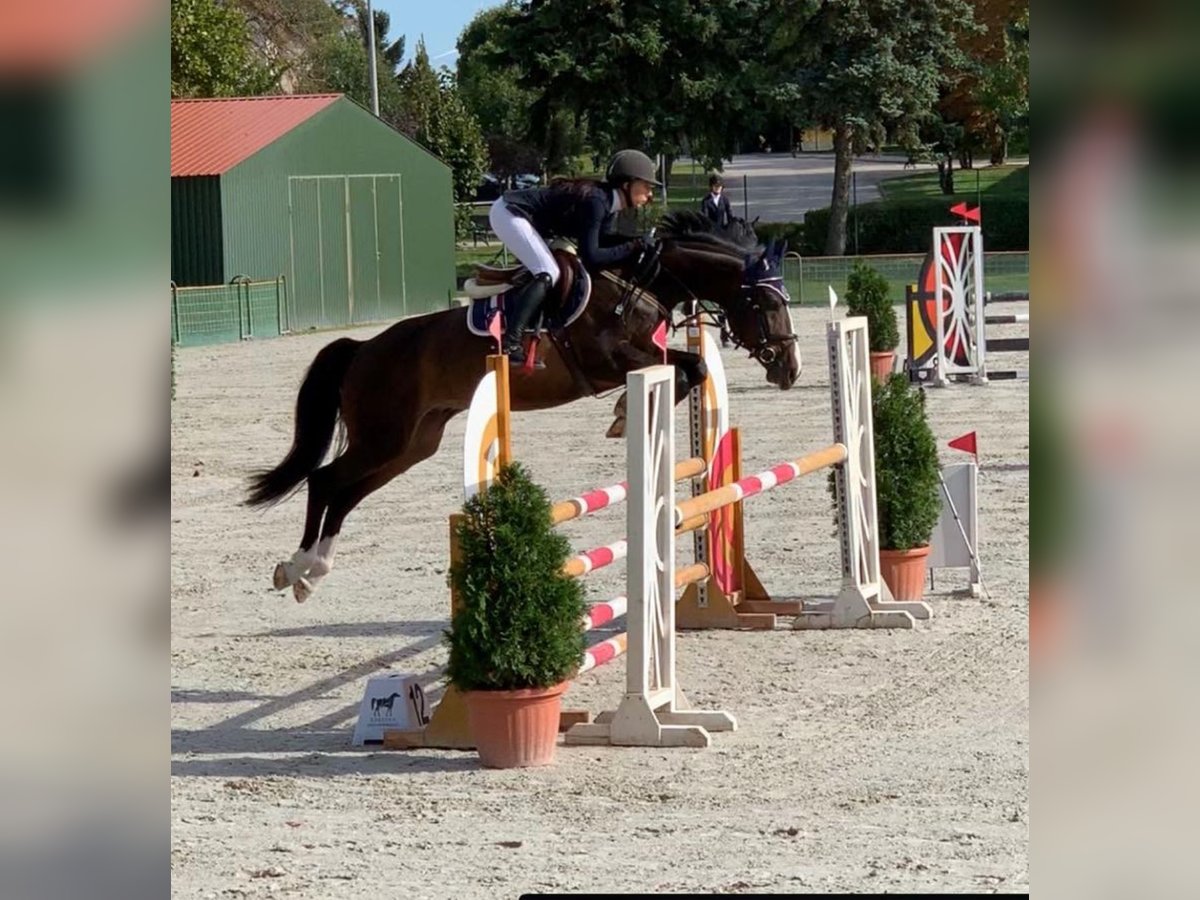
(515, 729)
(904, 572)
(881, 365)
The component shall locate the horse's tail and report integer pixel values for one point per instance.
(316, 416)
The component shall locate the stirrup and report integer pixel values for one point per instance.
(519, 359)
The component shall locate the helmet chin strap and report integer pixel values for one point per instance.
(626, 193)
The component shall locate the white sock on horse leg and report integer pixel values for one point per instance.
(322, 563)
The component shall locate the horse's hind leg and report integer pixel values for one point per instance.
(345, 497)
(323, 484)
(292, 570)
(690, 371)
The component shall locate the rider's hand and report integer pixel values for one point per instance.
(646, 257)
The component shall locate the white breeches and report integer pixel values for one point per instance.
(519, 236)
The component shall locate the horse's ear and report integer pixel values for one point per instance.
(782, 249)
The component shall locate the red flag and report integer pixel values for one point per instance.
(966, 443)
(494, 329)
(960, 209)
(660, 338)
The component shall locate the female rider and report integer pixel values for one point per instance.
(581, 210)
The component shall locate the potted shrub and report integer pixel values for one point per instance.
(867, 295)
(515, 637)
(907, 485)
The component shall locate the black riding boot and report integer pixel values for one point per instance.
(521, 308)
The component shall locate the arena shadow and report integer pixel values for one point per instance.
(185, 695)
(1005, 467)
(359, 761)
(236, 735)
(360, 629)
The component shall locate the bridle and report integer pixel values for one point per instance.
(769, 346)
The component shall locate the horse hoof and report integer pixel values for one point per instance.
(616, 429)
(620, 407)
(302, 590)
(280, 579)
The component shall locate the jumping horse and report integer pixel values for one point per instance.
(395, 392)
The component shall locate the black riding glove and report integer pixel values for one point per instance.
(646, 261)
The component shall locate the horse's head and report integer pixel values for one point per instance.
(759, 320)
(729, 269)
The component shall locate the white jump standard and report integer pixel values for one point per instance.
(654, 711)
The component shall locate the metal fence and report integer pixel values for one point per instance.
(808, 278)
(219, 313)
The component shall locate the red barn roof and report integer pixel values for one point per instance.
(209, 137)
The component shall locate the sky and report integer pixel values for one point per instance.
(440, 21)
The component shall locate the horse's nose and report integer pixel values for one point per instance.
(788, 368)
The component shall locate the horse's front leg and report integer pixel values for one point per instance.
(690, 372)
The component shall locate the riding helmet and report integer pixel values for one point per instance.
(627, 165)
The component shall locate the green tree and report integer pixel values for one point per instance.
(1004, 89)
(867, 70)
(338, 61)
(660, 75)
(489, 83)
(340, 65)
(435, 115)
(488, 79)
(211, 52)
(390, 53)
(454, 135)
(421, 89)
(286, 33)
(988, 98)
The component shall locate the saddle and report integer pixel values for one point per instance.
(492, 280)
(562, 307)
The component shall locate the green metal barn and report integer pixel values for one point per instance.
(297, 212)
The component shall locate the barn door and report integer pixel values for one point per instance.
(347, 249)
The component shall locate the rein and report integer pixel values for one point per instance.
(763, 350)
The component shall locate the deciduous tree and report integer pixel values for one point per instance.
(867, 70)
(211, 52)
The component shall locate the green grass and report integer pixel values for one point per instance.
(808, 280)
(993, 181)
(812, 292)
(687, 186)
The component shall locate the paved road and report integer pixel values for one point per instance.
(783, 188)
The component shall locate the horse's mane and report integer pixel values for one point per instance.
(736, 239)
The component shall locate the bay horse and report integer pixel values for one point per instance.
(395, 392)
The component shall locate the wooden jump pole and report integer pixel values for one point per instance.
(601, 498)
(757, 484)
